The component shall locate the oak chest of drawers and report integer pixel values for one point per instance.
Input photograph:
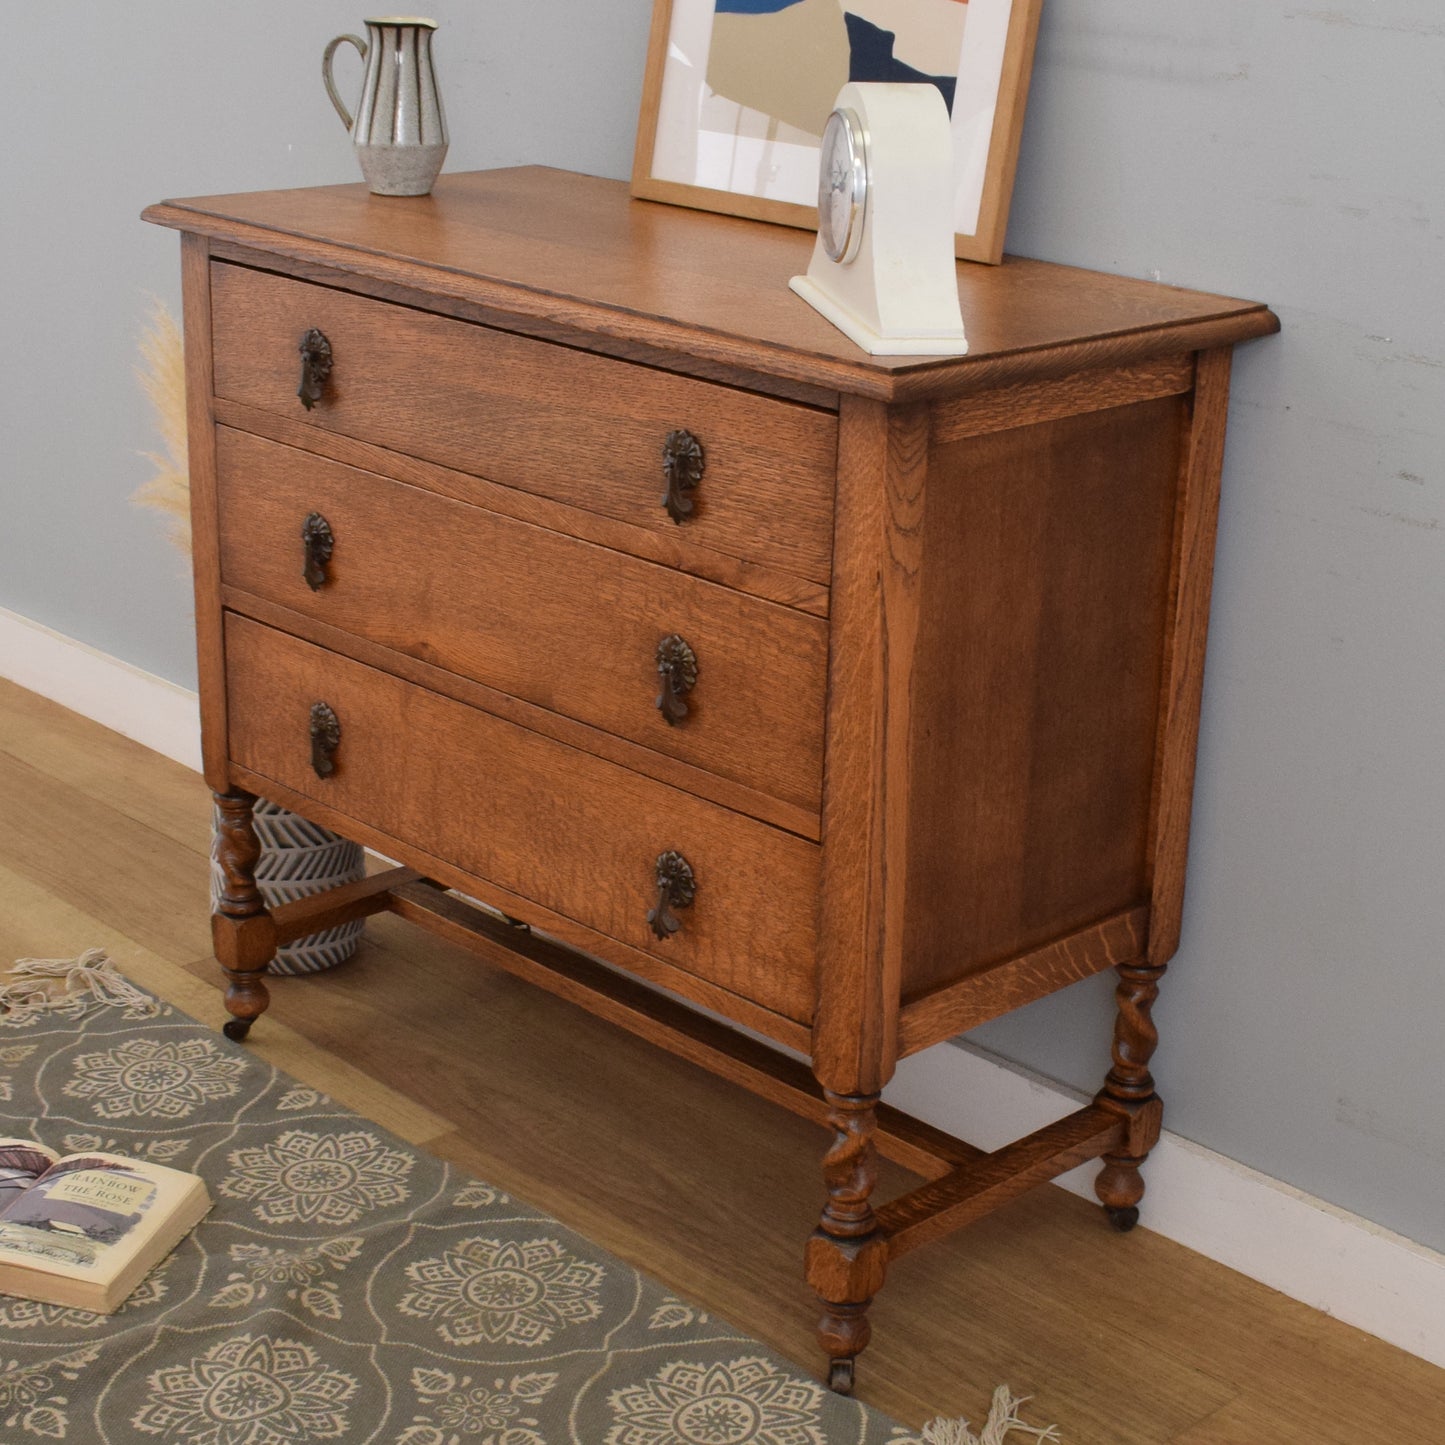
(546, 543)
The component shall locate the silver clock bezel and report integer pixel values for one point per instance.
(851, 125)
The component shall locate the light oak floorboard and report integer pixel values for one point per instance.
(92, 856)
(1121, 1340)
(106, 767)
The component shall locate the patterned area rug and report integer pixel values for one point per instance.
(350, 1288)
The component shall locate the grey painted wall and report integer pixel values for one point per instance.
(1293, 152)
(1286, 151)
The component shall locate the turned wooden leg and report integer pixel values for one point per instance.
(241, 929)
(846, 1256)
(1129, 1089)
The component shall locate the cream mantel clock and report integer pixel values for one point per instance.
(883, 269)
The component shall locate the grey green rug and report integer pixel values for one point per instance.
(350, 1288)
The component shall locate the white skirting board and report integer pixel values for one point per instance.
(1330, 1259)
(134, 703)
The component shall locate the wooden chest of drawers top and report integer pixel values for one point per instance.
(573, 257)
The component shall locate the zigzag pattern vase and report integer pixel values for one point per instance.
(298, 859)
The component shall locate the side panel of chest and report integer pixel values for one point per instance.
(1046, 565)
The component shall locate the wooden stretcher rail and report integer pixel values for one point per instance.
(338, 905)
(979, 1187)
(674, 1026)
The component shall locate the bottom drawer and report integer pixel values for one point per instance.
(579, 835)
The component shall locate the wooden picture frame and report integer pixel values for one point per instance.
(761, 168)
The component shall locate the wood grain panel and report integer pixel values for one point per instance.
(672, 771)
(669, 548)
(576, 250)
(560, 623)
(201, 460)
(1037, 688)
(954, 1008)
(583, 429)
(1190, 584)
(882, 469)
(579, 835)
(579, 936)
(1028, 402)
(560, 328)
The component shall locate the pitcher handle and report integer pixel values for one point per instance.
(330, 50)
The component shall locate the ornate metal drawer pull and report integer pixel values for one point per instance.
(325, 739)
(315, 367)
(677, 663)
(676, 888)
(682, 466)
(319, 542)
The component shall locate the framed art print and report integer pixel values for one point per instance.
(737, 93)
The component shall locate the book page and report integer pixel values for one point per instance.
(22, 1162)
(89, 1213)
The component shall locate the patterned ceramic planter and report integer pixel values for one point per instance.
(297, 859)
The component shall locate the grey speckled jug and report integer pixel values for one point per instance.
(400, 133)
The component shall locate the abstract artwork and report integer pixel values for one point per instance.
(738, 92)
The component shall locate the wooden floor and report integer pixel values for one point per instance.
(1120, 1340)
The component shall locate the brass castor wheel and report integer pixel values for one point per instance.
(840, 1377)
(1123, 1219)
(236, 1029)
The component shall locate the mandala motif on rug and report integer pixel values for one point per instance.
(149, 1078)
(248, 1390)
(305, 1178)
(743, 1402)
(515, 1292)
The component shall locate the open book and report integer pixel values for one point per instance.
(83, 1231)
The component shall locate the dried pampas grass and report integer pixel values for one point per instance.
(162, 373)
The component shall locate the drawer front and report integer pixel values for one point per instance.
(579, 835)
(566, 424)
(563, 624)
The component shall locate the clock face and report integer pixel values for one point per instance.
(842, 186)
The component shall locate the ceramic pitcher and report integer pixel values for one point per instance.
(399, 131)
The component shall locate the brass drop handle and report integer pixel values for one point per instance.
(682, 467)
(676, 888)
(325, 739)
(317, 542)
(315, 367)
(677, 666)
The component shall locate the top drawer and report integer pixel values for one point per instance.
(566, 424)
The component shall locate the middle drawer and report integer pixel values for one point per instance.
(560, 623)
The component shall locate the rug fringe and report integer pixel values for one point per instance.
(91, 979)
(1003, 1419)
